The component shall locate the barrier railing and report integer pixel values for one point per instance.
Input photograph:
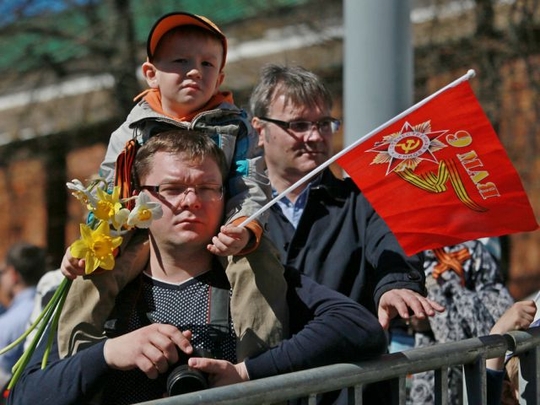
(471, 353)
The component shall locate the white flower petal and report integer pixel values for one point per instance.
(121, 218)
(76, 185)
(144, 204)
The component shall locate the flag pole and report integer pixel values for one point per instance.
(469, 75)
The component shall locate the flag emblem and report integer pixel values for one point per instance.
(404, 150)
(408, 147)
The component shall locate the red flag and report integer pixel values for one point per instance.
(439, 176)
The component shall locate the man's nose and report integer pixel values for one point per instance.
(189, 198)
(313, 134)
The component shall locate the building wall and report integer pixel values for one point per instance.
(519, 128)
(22, 209)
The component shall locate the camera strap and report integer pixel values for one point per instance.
(219, 324)
(219, 307)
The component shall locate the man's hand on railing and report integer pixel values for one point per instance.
(405, 303)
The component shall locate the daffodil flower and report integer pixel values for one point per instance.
(96, 247)
(144, 212)
(82, 193)
(108, 205)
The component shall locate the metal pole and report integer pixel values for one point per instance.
(378, 66)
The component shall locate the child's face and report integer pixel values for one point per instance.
(186, 70)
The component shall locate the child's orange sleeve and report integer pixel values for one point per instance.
(257, 231)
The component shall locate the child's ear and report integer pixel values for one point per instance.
(149, 73)
(219, 81)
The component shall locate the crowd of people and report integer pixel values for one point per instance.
(316, 279)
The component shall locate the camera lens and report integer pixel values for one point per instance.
(183, 379)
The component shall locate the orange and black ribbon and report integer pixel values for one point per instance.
(450, 261)
(122, 176)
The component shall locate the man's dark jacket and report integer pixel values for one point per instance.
(341, 242)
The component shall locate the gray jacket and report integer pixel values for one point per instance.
(248, 187)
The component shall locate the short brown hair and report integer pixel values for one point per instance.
(197, 145)
(299, 86)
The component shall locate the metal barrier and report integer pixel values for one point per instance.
(471, 353)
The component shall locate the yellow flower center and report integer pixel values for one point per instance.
(102, 247)
(104, 210)
(144, 214)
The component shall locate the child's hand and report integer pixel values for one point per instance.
(518, 316)
(230, 240)
(72, 267)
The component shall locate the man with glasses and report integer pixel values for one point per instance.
(325, 227)
(180, 303)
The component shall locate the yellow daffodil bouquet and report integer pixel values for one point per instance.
(109, 218)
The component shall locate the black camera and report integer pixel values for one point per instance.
(182, 379)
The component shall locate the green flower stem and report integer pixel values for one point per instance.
(50, 304)
(54, 325)
(25, 358)
(47, 312)
(52, 308)
(47, 316)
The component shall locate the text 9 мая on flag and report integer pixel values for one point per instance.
(439, 175)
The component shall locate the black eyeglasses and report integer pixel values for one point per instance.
(327, 125)
(173, 191)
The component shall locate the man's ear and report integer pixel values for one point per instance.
(258, 126)
(150, 74)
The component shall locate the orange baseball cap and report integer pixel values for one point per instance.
(177, 19)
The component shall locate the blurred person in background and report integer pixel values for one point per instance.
(466, 278)
(23, 267)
